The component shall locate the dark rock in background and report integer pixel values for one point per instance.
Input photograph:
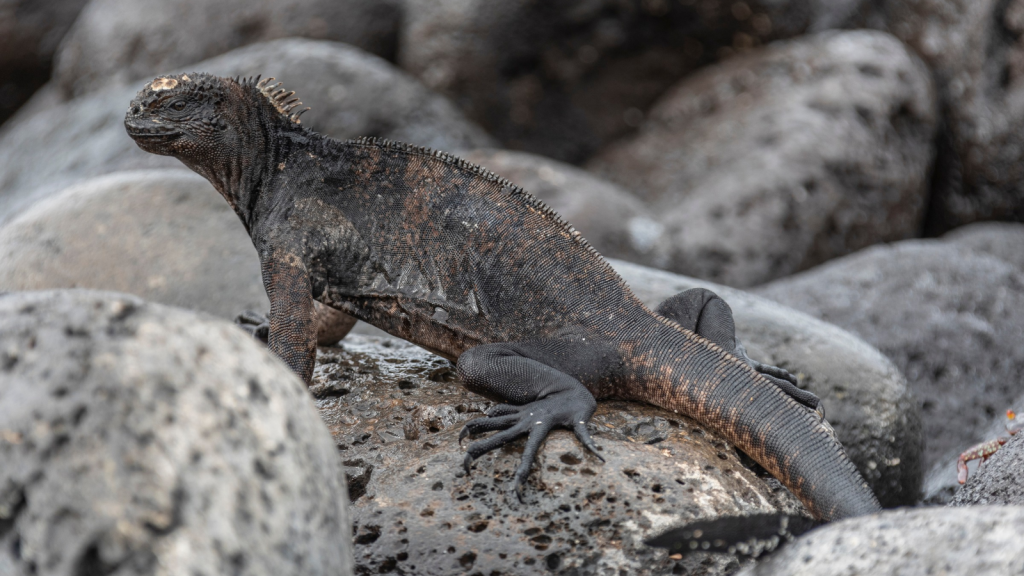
(395, 412)
(116, 41)
(950, 318)
(140, 439)
(563, 77)
(982, 540)
(976, 52)
(352, 93)
(615, 222)
(998, 480)
(30, 31)
(163, 235)
(773, 162)
(866, 398)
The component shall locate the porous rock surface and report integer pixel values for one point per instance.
(998, 480)
(30, 32)
(125, 40)
(164, 235)
(141, 439)
(396, 411)
(949, 317)
(778, 160)
(352, 93)
(866, 398)
(975, 49)
(561, 78)
(978, 540)
(613, 221)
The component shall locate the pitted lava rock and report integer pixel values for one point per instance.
(396, 410)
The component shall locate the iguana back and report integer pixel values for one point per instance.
(442, 233)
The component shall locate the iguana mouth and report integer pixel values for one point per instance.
(150, 131)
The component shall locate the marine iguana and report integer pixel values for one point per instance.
(459, 261)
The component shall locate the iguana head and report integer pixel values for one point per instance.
(191, 116)
(216, 126)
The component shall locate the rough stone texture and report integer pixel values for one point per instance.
(773, 162)
(140, 439)
(866, 398)
(352, 93)
(127, 40)
(562, 77)
(164, 235)
(999, 480)
(1003, 240)
(982, 540)
(950, 318)
(975, 49)
(395, 412)
(614, 221)
(30, 31)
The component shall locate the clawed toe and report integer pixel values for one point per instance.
(487, 424)
(536, 420)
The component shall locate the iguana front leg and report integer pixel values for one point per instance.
(331, 325)
(537, 399)
(292, 319)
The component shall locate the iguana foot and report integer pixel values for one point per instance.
(784, 381)
(256, 324)
(702, 311)
(566, 408)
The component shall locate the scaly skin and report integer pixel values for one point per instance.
(461, 262)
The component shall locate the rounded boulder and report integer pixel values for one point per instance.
(772, 162)
(142, 439)
(164, 235)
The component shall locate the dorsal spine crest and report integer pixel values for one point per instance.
(280, 98)
(514, 190)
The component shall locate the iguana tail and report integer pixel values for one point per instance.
(695, 377)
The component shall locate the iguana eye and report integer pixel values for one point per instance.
(178, 105)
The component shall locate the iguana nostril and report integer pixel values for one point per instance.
(136, 110)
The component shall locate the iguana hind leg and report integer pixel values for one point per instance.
(537, 399)
(704, 312)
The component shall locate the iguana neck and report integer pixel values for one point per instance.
(240, 174)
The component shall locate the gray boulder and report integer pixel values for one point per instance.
(395, 412)
(614, 221)
(117, 41)
(1002, 240)
(773, 162)
(980, 540)
(30, 32)
(949, 317)
(140, 439)
(997, 480)
(561, 78)
(973, 49)
(352, 93)
(866, 398)
(164, 235)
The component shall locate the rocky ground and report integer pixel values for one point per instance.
(854, 164)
